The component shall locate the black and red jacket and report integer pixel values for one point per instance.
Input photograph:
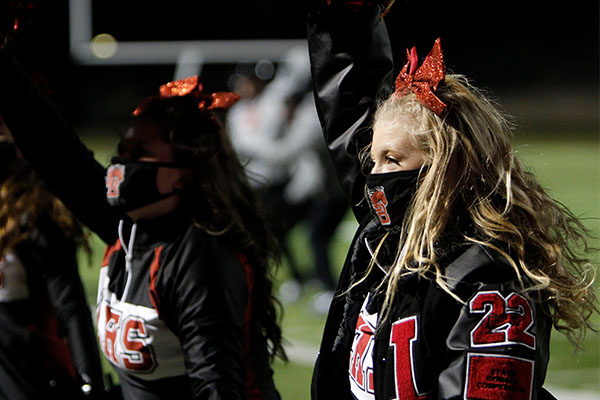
(492, 344)
(47, 342)
(174, 303)
(181, 302)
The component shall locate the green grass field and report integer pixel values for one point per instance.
(569, 167)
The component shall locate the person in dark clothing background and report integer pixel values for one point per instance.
(276, 132)
(185, 305)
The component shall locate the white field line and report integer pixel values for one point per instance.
(567, 394)
(306, 354)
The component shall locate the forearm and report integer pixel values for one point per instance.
(53, 149)
(351, 59)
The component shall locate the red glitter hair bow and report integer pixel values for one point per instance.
(424, 80)
(192, 87)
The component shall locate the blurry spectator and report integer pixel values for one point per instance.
(276, 131)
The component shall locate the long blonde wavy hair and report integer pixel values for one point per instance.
(472, 170)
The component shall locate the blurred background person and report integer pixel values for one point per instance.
(48, 346)
(276, 131)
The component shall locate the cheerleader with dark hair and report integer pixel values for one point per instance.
(185, 306)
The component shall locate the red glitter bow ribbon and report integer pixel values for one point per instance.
(192, 87)
(424, 80)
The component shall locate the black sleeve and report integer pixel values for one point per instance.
(54, 150)
(497, 347)
(57, 263)
(499, 342)
(351, 60)
(204, 303)
(491, 341)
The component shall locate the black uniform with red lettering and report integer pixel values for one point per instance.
(174, 305)
(42, 303)
(493, 344)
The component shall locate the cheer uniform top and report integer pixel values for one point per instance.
(493, 344)
(42, 303)
(174, 312)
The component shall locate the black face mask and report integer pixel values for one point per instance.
(132, 184)
(389, 195)
(8, 159)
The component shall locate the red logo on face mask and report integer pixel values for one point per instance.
(379, 203)
(114, 177)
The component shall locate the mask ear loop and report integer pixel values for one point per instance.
(158, 164)
(163, 164)
(174, 165)
(168, 194)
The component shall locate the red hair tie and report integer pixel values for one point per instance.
(192, 87)
(424, 80)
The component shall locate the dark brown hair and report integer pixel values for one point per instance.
(222, 201)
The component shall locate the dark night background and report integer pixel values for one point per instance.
(517, 49)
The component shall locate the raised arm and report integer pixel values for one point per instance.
(54, 150)
(351, 61)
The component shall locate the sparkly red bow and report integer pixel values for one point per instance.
(192, 87)
(424, 80)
